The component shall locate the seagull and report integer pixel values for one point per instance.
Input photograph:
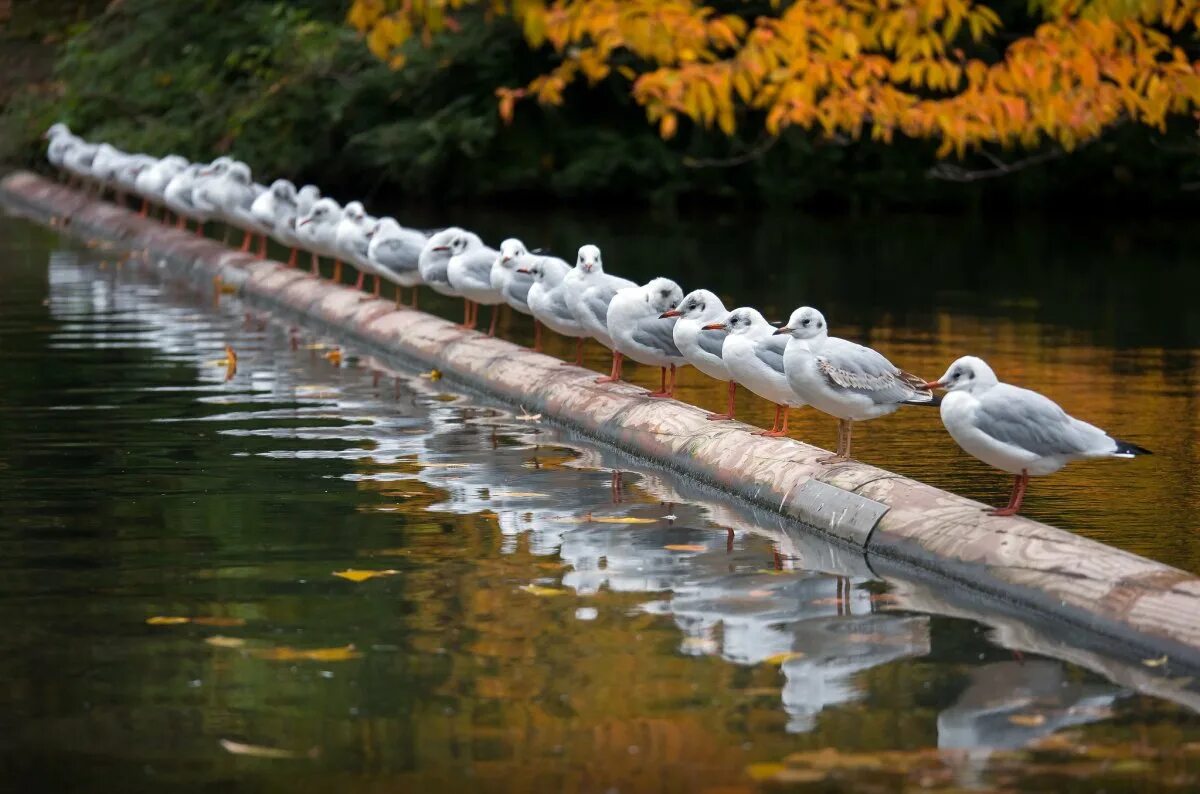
(394, 251)
(702, 349)
(1017, 430)
(469, 272)
(435, 259)
(316, 230)
(59, 139)
(513, 282)
(588, 291)
(152, 182)
(843, 379)
(177, 195)
(753, 354)
(351, 243)
(272, 210)
(639, 330)
(548, 299)
(77, 160)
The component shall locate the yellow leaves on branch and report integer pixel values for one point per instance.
(853, 68)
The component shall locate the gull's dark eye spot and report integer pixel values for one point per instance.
(666, 293)
(805, 322)
(970, 373)
(820, 324)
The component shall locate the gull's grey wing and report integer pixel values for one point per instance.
(865, 371)
(559, 308)
(770, 349)
(711, 342)
(396, 254)
(1036, 423)
(657, 334)
(518, 286)
(595, 302)
(477, 266)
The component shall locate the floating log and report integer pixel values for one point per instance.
(1139, 608)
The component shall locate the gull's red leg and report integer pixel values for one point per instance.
(579, 351)
(615, 375)
(495, 317)
(729, 406)
(775, 430)
(358, 284)
(537, 336)
(292, 257)
(1014, 500)
(316, 264)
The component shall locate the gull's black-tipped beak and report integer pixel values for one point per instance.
(714, 327)
(783, 330)
(671, 313)
(933, 384)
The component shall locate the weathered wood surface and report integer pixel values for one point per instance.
(1146, 606)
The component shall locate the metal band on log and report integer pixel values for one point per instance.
(1143, 608)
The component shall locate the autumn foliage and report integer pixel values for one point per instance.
(940, 70)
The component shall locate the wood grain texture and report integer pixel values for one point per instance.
(1144, 604)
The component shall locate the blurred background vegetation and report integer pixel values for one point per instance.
(292, 89)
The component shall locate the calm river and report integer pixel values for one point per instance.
(326, 576)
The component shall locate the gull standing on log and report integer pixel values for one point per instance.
(316, 230)
(844, 379)
(394, 251)
(548, 299)
(640, 331)
(469, 272)
(588, 291)
(350, 240)
(272, 210)
(513, 282)
(753, 354)
(701, 348)
(1017, 430)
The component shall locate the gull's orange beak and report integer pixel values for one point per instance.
(440, 248)
(301, 223)
(714, 327)
(671, 313)
(783, 330)
(933, 384)
(523, 270)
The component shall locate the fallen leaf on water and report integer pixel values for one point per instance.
(670, 517)
(591, 519)
(286, 654)
(316, 346)
(528, 417)
(790, 775)
(1027, 720)
(222, 287)
(827, 602)
(780, 658)
(542, 592)
(258, 751)
(355, 575)
(217, 620)
(685, 547)
(334, 356)
(761, 772)
(167, 620)
(1159, 662)
(759, 593)
(433, 374)
(885, 598)
(220, 641)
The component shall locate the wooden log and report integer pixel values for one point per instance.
(1143, 608)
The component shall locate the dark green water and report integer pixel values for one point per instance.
(530, 630)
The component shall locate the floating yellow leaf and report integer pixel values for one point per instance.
(542, 592)
(217, 620)
(1159, 662)
(334, 356)
(780, 658)
(591, 519)
(167, 620)
(286, 654)
(1027, 720)
(433, 374)
(355, 575)
(685, 547)
(220, 641)
(761, 772)
(258, 751)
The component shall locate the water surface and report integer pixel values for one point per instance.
(173, 618)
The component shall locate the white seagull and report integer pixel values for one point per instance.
(639, 330)
(753, 354)
(469, 272)
(701, 348)
(588, 291)
(548, 299)
(512, 280)
(272, 210)
(351, 242)
(316, 230)
(394, 251)
(844, 379)
(1017, 430)
(152, 182)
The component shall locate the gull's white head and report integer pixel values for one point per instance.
(699, 305)
(56, 129)
(589, 259)
(453, 241)
(239, 172)
(805, 323)
(968, 374)
(217, 167)
(354, 211)
(323, 211)
(309, 192)
(740, 321)
(511, 250)
(662, 294)
(283, 190)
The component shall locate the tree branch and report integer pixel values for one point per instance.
(950, 172)
(758, 150)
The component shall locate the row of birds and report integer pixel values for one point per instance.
(1010, 428)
